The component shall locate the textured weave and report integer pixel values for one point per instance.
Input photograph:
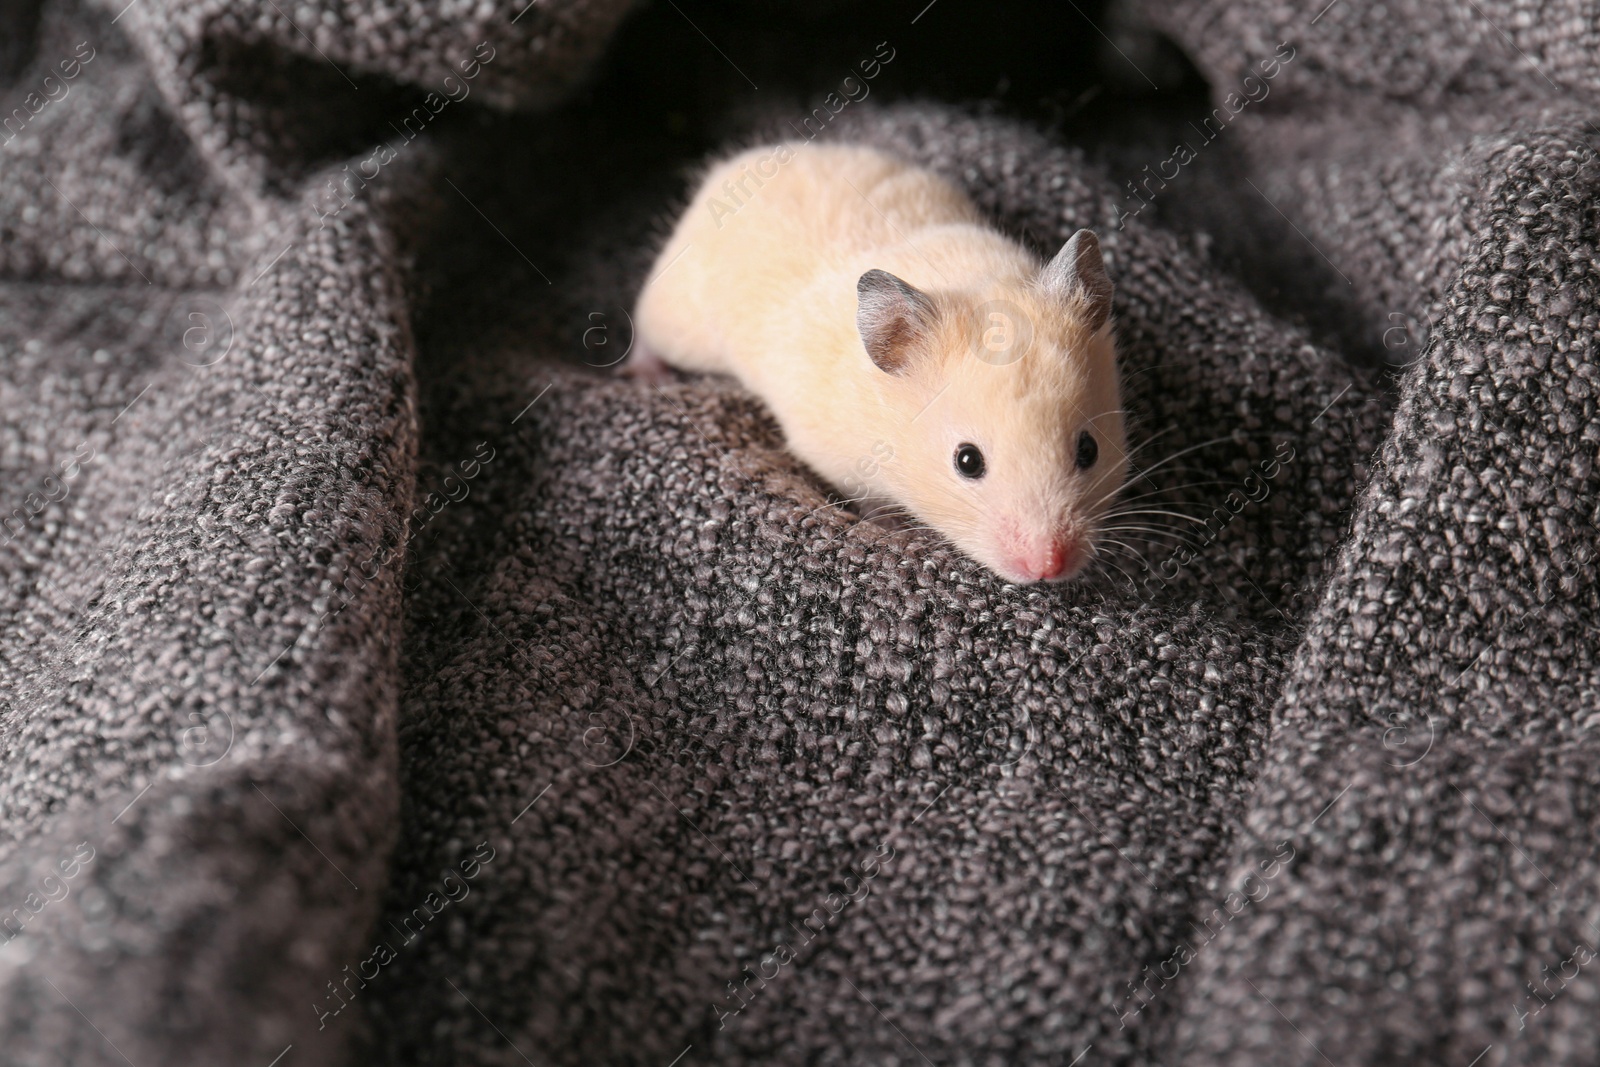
(378, 684)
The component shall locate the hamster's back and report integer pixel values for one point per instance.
(763, 226)
(832, 201)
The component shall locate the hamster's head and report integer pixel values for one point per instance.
(1010, 436)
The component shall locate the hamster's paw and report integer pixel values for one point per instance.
(644, 365)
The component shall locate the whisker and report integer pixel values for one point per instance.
(1119, 570)
(1141, 509)
(1146, 472)
(1108, 524)
(1129, 453)
(841, 502)
(1184, 452)
(1094, 486)
(1119, 549)
(1173, 489)
(1130, 549)
(1138, 530)
(1157, 511)
(1112, 523)
(1172, 468)
(1127, 462)
(1151, 513)
(1152, 367)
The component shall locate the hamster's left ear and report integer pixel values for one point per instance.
(894, 319)
(1079, 273)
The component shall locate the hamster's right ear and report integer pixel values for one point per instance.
(894, 317)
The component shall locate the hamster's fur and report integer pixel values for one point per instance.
(894, 334)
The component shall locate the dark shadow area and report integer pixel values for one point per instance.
(19, 36)
(681, 80)
(294, 123)
(153, 141)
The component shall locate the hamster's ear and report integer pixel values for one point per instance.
(1079, 273)
(893, 317)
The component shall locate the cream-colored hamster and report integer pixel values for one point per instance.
(912, 355)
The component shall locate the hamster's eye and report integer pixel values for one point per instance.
(1088, 451)
(969, 461)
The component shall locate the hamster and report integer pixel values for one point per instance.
(912, 355)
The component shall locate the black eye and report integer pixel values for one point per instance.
(969, 461)
(1088, 451)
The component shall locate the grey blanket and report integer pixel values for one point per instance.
(379, 684)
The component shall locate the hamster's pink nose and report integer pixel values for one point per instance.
(1048, 558)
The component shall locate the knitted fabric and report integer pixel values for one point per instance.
(381, 684)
